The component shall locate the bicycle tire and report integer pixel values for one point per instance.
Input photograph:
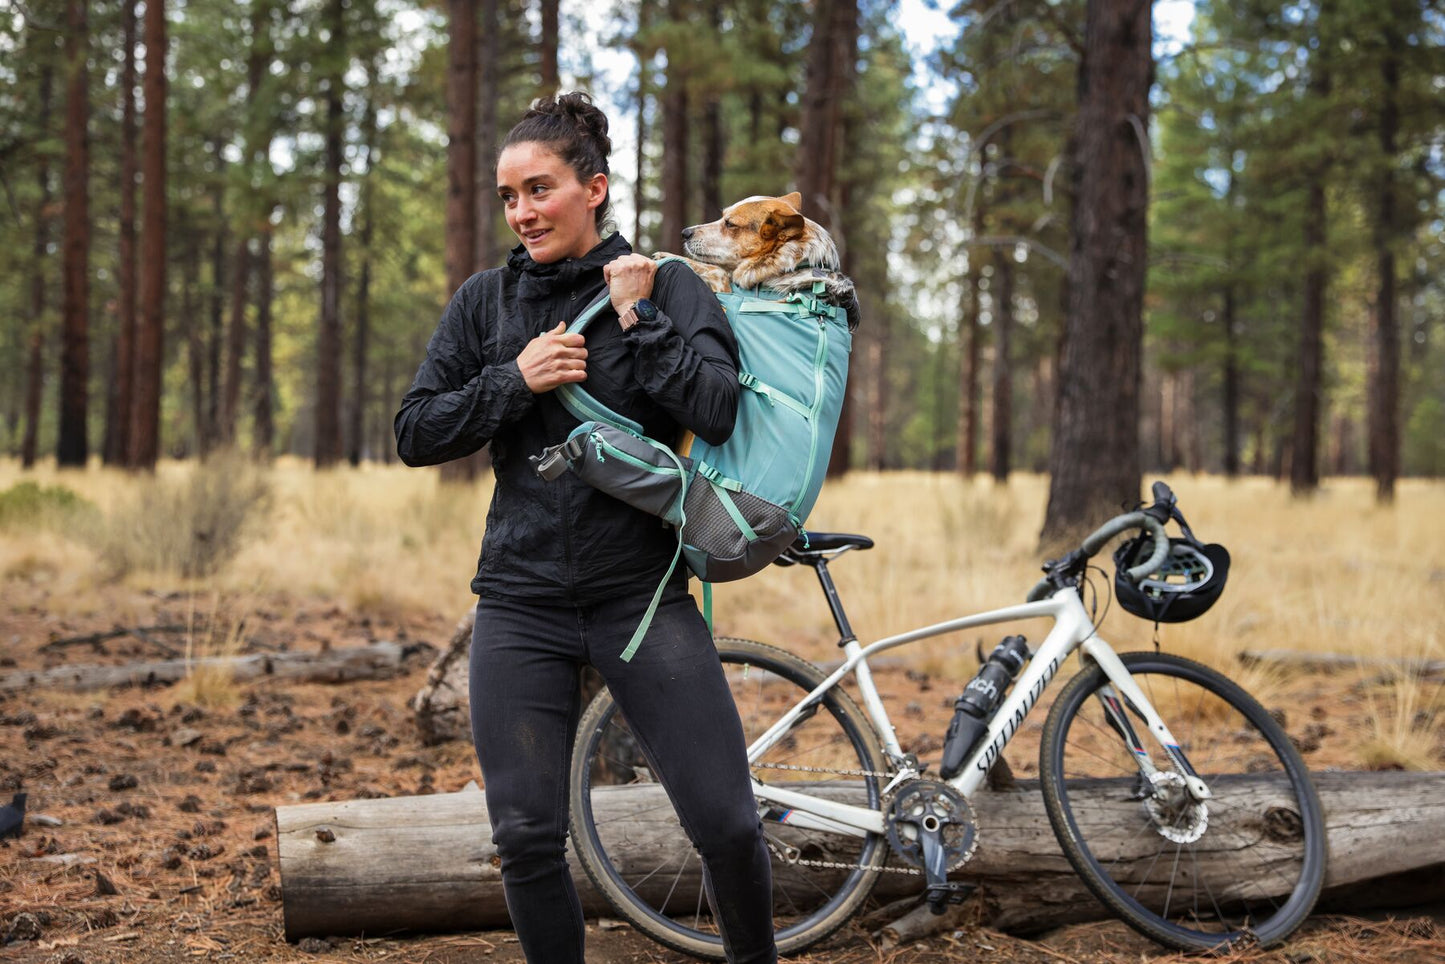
(1262, 797)
(811, 904)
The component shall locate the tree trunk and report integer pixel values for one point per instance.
(1384, 356)
(1231, 386)
(119, 415)
(970, 333)
(1001, 452)
(426, 863)
(1304, 459)
(675, 145)
(150, 331)
(195, 342)
(488, 252)
(829, 79)
(359, 342)
(548, 50)
(264, 429)
(35, 361)
(72, 448)
(328, 342)
(216, 336)
(644, 90)
(462, 192)
(838, 82)
(1094, 460)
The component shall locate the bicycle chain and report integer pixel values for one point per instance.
(830, 864)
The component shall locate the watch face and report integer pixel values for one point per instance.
(646, 310)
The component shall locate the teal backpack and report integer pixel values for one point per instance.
(738, 505)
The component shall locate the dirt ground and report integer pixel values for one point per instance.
(167, 804)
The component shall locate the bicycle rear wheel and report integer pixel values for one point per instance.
(633, 848)
(1195, 875)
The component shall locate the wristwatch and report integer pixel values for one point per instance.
(641, 310)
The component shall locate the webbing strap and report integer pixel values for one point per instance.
(732, 511)
(707, 606)
(717, 478)
(577, 399)
(646, 623)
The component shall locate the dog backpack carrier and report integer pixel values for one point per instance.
(738, 505)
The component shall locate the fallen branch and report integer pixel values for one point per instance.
(375, 661)
(95, 639)
(1333, 662)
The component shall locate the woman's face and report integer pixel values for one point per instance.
(549, 209)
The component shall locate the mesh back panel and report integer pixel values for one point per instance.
(710, 527)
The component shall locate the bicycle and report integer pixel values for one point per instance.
(1153, 828)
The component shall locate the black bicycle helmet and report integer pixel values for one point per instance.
(1185, 585)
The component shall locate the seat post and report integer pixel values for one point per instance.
(835, 604)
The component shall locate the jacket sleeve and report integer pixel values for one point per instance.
(459, 399)
(687, 359)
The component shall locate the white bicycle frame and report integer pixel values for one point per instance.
(1072, 629)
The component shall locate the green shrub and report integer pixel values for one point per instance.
(190, 526)
(28, 505)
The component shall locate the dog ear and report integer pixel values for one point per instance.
(794, 201)
(780, 224)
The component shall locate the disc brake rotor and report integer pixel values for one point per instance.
(1176, 815)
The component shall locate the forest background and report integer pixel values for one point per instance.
(261, 263)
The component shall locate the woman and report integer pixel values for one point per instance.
(566, 572)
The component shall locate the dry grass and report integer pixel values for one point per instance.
(1335, 573)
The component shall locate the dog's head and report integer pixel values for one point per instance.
(760, 238)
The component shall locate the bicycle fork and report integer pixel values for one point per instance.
(1121, 695)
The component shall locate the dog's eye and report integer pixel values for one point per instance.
(729, 225)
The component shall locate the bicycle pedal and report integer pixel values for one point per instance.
(939, 896)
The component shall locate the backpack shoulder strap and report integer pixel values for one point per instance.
(577, 399)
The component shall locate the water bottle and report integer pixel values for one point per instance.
(982, 695)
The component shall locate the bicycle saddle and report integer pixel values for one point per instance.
(805, 549)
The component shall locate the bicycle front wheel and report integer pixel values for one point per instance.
(1247, 862)
(633, 848)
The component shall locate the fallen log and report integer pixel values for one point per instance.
(1334, 662)
(427, 863)
(375, 661)
(440, 706)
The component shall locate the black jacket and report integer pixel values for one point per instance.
(564, 541)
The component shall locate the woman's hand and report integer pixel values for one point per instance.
(553, 358)
(629, 279)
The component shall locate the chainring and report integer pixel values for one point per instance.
(920, 804)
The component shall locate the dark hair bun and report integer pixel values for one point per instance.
(577, 110)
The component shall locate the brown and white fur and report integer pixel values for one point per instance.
(766, 242)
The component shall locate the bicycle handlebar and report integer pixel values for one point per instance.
(1148, 519)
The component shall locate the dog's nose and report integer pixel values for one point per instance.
(687, 232)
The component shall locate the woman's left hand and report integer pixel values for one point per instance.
(630, 280)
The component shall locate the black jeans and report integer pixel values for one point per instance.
(525, 702)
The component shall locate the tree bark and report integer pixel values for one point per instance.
(1231, 386)
(426, 863)
(971, 335)
(548, 49)
(1094, 460)
(1384, 357)
(195, 342)
(216, 336)
(462, 192)
(35, 361)
(359, 343)
(675, 144)
(72, 448)
(264, 429)
(120, 417)
(1304, 476)
(1000, 448)
(488, 251)
(328, 342)
(829, 80)
(644, 90)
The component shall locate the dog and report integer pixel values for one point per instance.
(767, 242)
